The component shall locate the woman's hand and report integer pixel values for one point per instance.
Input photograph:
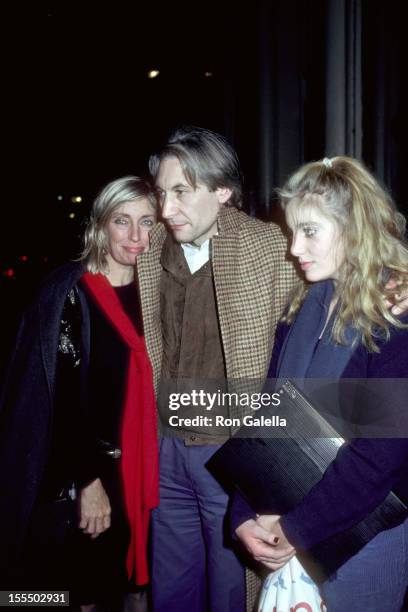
(261, 538)
(94, 509)
(282, 546)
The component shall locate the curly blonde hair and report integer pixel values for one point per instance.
(373, 235)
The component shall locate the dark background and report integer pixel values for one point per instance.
(80, 110)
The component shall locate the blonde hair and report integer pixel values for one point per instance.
(373, 236)
(112, 196)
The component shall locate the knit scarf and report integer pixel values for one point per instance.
(139, 459)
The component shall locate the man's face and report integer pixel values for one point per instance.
(190, 213)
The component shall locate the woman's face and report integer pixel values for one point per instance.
(316, 241)
(127, 232)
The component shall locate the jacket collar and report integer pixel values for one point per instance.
(230, 220)
(172, 259)
(157, 237)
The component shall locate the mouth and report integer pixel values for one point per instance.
(305, 264)
(176, 226)
(134, 250)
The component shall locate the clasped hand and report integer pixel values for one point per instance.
(265, 541)
(94, 509)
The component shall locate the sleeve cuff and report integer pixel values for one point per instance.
(240, 512)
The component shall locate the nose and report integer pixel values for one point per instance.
(297, 246)
(134, 233)
(169, 207)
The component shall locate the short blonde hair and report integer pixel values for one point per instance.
(112, 196)
(373, 234)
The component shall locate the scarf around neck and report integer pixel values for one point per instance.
(139, 459)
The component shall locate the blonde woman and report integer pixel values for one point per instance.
(78, 418)
(349, 240)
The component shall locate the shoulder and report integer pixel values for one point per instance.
(267, 241)
(268, 232)
(251, 230)
(69, 272)
(390, 362)
(55, 287)
(61, 279)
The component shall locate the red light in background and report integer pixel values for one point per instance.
(23, 258)
(9, 273)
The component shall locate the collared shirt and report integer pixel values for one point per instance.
(196, 256)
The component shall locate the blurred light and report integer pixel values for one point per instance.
(9, 273)
(60, 197)
(76, 199)
(71, 215)
(208, 74)
(152, 74)
(45, 259)
(23, 258)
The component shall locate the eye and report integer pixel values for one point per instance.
(120, 220)
(148, 222)
(309, 231)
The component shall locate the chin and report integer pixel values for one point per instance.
(178, 238)
(181, 237)
(314, 278)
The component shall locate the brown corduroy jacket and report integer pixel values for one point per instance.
(253, 276)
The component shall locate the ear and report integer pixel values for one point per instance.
(223, 194)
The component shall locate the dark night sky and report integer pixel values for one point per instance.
(81, 109)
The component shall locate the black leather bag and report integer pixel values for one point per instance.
(275, 473)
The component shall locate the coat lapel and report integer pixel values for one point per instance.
(148, 269)
(252, 279)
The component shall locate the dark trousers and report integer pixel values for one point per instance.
(193, 568)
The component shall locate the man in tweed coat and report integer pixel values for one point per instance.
(212, 290)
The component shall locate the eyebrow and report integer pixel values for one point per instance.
(305, 223)
(179, 185)
(119, 214)
(176, 186)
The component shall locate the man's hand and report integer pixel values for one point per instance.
(401, 299)
(263, 544)
(94, 509)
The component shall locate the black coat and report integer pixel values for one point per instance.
(26, 408)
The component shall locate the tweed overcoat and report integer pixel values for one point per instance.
(253, 276)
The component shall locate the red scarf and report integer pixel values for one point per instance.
(139, 460)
